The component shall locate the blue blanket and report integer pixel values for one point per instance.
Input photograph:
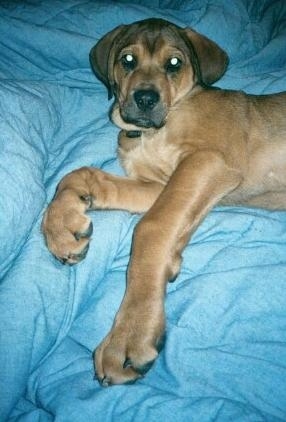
(225, 354)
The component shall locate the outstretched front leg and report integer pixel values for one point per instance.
(135, 339)
(67, 227)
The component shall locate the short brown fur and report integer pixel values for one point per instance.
(185, 148)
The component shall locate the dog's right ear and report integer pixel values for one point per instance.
(102, 56)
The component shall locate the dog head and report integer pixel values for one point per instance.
(150, 65)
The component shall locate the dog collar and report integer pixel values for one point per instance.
(133, 133)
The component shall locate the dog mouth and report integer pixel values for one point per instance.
(143, 121)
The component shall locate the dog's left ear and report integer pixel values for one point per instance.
(213, 60)
(101, 58)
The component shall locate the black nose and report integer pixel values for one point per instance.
(146, 99)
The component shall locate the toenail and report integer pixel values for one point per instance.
(161, 343)
(105, 382)
(141, 370)
(127, 363)
(88, 199)
(78, 257)
(62, 260)
(83, 235)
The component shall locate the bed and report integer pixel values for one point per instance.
(225, 353)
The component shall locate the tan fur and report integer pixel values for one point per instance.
(204, 147)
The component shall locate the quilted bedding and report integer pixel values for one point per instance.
(225, 354)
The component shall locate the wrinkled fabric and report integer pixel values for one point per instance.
(225, 353)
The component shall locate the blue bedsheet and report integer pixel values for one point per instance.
(225, 355)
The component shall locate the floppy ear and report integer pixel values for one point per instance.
(212, 59)
(101, 58)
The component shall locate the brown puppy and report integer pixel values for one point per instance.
(185, 148)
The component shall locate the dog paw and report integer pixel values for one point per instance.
(128, 351)
(66, 227)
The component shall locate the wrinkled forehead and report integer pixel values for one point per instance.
(151, 41)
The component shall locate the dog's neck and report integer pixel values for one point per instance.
(133, 133)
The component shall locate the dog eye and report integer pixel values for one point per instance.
(128, 61)
(173, 64)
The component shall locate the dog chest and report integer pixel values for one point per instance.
(149, 158)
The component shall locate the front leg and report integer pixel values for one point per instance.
(199, 182)
(66, 226)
